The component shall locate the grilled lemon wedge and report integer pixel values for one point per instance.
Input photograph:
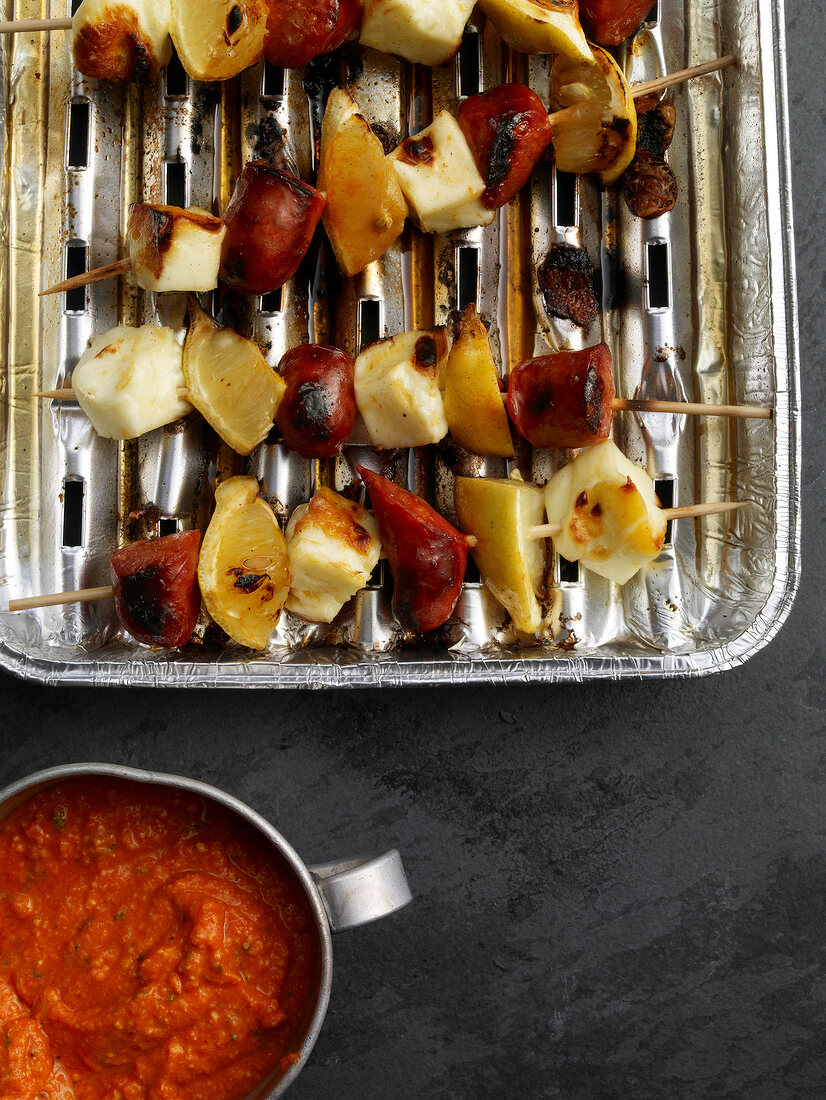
(220, 39)
(500, 514)
(230, 382)
(244, 569)
(596, 128)
(473, 402)
(539, 26)
(365, 209)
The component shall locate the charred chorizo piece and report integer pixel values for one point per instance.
(508, 130)
(611, 21)
(156, 588)
(427, 555)
(564, 399)
(299, 30)
(569, 284)
(270, 222)
(649, 185)
(318, 410)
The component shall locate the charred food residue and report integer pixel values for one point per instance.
(649, 185)
(569, 284)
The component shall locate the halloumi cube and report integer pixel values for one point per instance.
(439, 178)
(127, 381)
(397, 389)
(607, 507)
(173, 249)
(334, 546)
(122, 40)
(427, 31)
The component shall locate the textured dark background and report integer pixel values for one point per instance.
(620, 889)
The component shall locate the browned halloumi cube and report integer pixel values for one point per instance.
(334, 546)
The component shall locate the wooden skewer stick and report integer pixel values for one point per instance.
(551, 530)
(16, 26)
(96, 275)
(693, 408)
(704, 509)
(688, 408)
(680, 77)
(68, 394)
(542, 531)
(52, 599)
(756, 412)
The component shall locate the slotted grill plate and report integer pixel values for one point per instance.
(699, 304)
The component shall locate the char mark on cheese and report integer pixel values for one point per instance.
(417, 150)
(425, 355)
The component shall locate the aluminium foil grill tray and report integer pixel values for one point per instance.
(698, 305)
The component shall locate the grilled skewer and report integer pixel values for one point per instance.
(563, 400)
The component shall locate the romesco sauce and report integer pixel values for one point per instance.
(153, 946)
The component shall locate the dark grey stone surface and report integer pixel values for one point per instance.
(620, 889)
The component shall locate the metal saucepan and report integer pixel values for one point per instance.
(342, 894)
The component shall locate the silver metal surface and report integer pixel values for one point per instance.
(342, 895)
(726, 331)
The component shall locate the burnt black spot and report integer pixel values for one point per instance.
(425, 354)
(359, 537)
(501, 151)
(314, 409)
(596, 510)
(270, 140)
(655, 128)
(323, 73)
(582, 500)
(143, 63)
(414, 151)
(162, 226)
(234, 19)
(593, 394)
(141, 592)
(569, 284)
(387, 135)
(232, 265)
(247, 582)
(542, 399)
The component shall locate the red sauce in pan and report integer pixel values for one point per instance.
(152, 947)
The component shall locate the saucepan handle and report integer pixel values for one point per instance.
(357, 891)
